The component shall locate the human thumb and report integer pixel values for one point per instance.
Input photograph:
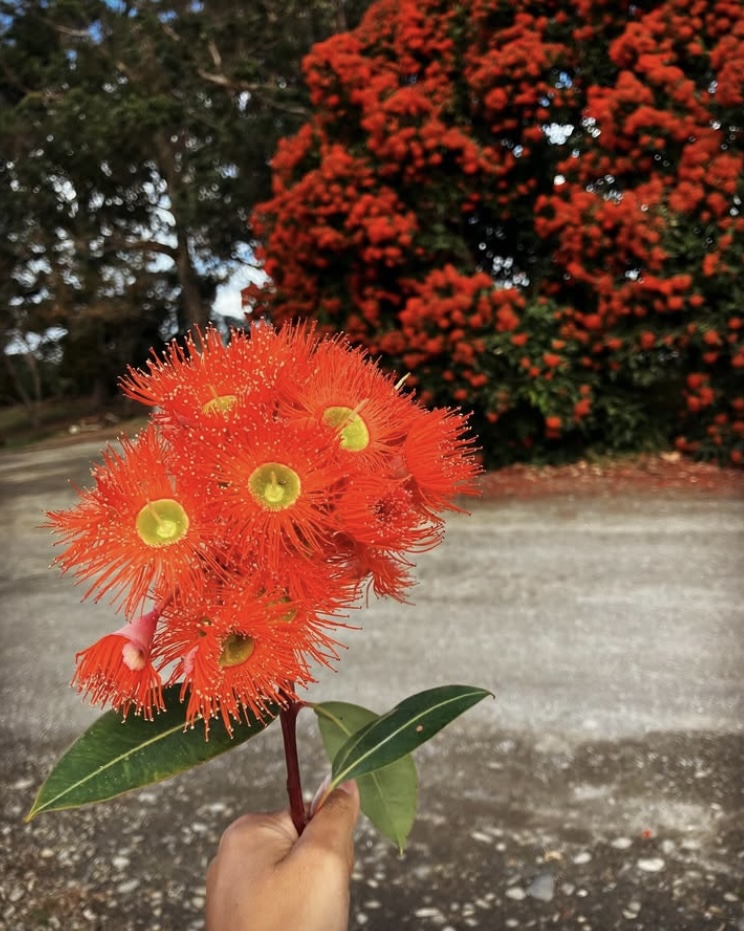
(331, 827)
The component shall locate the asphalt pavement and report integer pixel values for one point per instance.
(601, 788)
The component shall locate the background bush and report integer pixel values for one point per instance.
(535, 208)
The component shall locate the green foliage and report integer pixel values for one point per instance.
(536, 209)
(115, 756)
(134, 139)
(404, 728)
(389, 795)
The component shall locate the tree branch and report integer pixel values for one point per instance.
(214, 52)
(257, 90)
(73, 33)
(222, 80)
(117, 244)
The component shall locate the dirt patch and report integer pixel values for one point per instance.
(665, 474)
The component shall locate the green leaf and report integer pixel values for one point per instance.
(115, 756)
(411, 723)
(388, 795)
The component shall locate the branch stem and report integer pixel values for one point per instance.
(288, 716)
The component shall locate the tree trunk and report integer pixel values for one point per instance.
(32, 404)
(33, 366)
(340, 16)
(100, 394)
(194, 311)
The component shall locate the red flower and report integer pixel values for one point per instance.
(582, 408)
(438, 457)
(385, 571)
(139, 526)
(375, 511)
(208, 384)
(290, 475)
(118, 669)
(349, 393)
(232, 657)
(274, 483)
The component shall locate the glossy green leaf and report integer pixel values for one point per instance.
(388, 795)
(115, 756)
(393, 735)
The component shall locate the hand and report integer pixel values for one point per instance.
(266, 878)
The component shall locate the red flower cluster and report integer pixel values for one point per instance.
(480, 181)
(451, 316)
(281, 476)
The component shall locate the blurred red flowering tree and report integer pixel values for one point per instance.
(536, 208)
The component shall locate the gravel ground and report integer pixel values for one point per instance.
(600, 790)
(642, 834)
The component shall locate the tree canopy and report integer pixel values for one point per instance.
(134, 139)
(536, 209)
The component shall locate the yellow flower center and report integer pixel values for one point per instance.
(352, 430)
(162, 522)
(274, 486)
(289, 615)
(236, 649)
(220, 404)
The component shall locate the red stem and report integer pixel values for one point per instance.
(288, 716)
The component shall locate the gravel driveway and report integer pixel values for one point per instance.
(601, 789)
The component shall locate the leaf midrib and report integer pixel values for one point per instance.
(339, 778)
(101, 769)
(373, 774)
